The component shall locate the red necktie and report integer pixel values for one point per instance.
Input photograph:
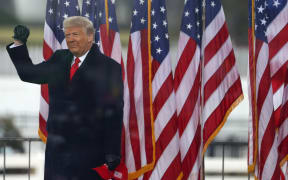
(74, 67)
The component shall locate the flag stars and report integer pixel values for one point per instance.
(196, 10)
(188, 26)
(67, 3)
(155, 26)
(77, 7)
(166, 36)
(162, 9)
(157, 38)
(50, 11)
(153, 12)
(263, 21)
(113, 1)
(141, 2)
(65, 16)
(88, 2)
(98, 43)
(135, 12)
(213, 4)
(187, 13)
(165, 23)
(260, 9)
(198, 23)
(198, 36)
(159, 50)
(100, 14)
(276, 3)
(142, 20)
(87, 15)
(110, 19)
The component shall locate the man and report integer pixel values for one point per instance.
(86, 101)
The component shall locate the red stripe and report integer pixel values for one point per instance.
(279, 77)
(163, 141)
(184, 62)
(42, 125)
(47, 51)
(263, 89)
(146, 96)
(107, 39)
(174, 169)
(283, 148)
(155, 66)
(163, 94)
(192, 154)
(133, 126)
(216, 43)
(266, 144)
(278, 42)
(45, 92)
(216, 118)
(214, 82)
(189, 106)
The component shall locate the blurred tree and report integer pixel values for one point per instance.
(8, 129)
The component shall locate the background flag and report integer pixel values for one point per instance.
(187, 85)
(263, 161)
(56, 12)
(151, 132)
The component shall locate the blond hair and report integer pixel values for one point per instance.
(79, 21)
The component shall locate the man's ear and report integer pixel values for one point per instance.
(90, 38)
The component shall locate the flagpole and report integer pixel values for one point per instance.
(106, 16)
(202, 88)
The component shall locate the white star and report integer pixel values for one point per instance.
(189, 26)
(142, 20)
(276, 3)
(165, 23)
(67, 3)
(263, 21)
(157, 38)
(155, 26)
(213, 4)
(166, 36)
(198, 36)
(196, 10)
(135, 12)
(256, 26)
(98, 43)
(100, 14)
(187, 13)
(198, 23)
(162, 9)
(77, 7)
(203, 4)
(50, 11)
(65, 16)
(87, 15)
(266, 33)
(159, 50)
(113, 1)
(153, 12)
(141, 2)
(110, 19)
(266, 4)
(95, 16)
(260, 9)
(185, 1)
(88, 2)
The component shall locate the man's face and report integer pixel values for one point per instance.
(78, 41)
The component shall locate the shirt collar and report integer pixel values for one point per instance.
(82, 58)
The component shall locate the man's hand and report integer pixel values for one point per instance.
(21, 34)
(112, 161)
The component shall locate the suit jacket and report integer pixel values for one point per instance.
(85, 114)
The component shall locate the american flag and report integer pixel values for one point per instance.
(283, 133)
(102, 14)
(187, 85)
(56, 12)
(221, 81)
(151, 132)
(263, 159)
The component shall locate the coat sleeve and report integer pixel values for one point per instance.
(114, 110)
(40, 73)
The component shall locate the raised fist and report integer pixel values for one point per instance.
(21, 33)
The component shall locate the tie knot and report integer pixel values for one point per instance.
(77, 60)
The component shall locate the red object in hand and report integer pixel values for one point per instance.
(120, 172)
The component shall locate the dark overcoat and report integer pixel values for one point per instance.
(85, 114)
